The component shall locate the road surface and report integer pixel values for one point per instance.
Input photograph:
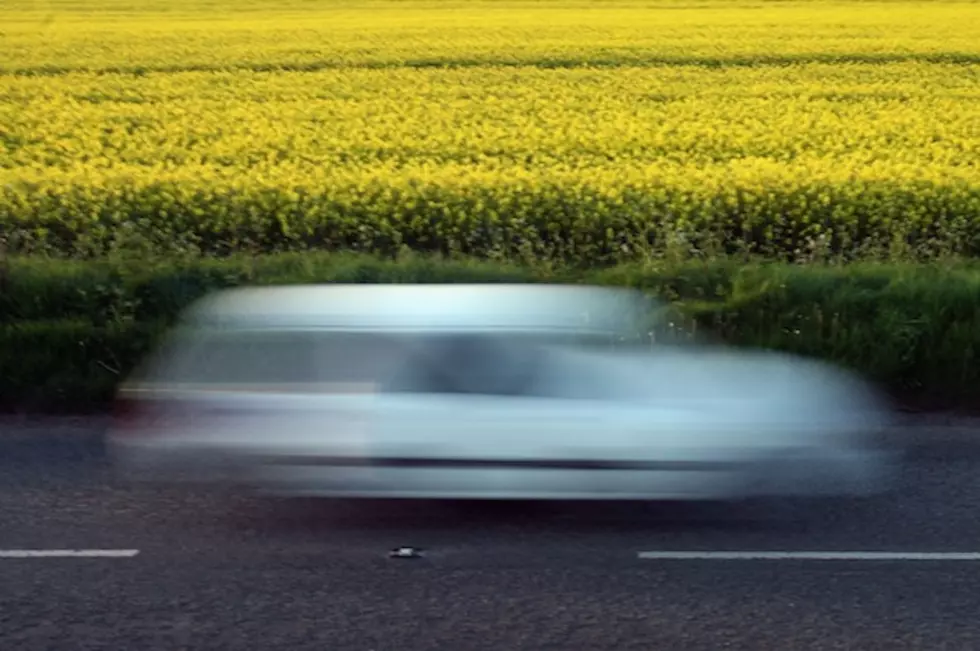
(184, 570)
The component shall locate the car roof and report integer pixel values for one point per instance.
(425, 308)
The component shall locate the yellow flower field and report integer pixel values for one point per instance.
(576, 130)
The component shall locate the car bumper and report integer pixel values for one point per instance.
(825, 473)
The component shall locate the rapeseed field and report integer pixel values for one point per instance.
(586, 132)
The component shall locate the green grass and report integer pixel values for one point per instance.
(70, 331)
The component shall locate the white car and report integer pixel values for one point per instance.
(485, 391)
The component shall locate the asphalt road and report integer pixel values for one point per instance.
(238, 572)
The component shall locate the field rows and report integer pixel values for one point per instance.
(904, 114)
(59, 36)
(502, 153)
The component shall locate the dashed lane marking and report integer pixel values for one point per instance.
(68, 553)
(807, 556)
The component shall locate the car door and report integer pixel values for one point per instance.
(318, 435)
(657, 433)
(474, 415)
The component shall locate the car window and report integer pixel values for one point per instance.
(474, 364)
(467, 364)
(359, 358)
(279, 357)
(236, 357)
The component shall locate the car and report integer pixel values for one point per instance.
(486, 391)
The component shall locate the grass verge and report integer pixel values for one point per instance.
(70, 331)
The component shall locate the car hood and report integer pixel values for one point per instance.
(750, 387)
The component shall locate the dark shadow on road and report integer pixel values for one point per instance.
(323, 517)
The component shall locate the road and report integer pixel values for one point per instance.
(239, 572)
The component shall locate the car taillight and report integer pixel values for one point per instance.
(126, 411)
(141, 413)
(134, 413)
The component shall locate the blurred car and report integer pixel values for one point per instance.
(485, 391)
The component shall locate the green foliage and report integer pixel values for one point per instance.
(68, 364)
(70, 331)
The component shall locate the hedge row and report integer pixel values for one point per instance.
(69, 331)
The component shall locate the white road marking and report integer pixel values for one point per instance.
(68, 553)
(809, 556)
